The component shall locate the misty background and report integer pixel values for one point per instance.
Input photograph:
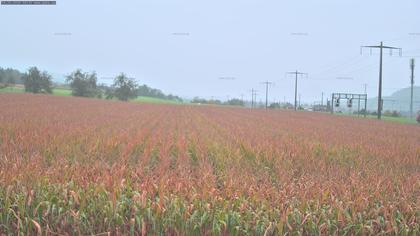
(217, 48)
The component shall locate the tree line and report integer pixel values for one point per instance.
(82, 84)
(230, 102)
(10, 77)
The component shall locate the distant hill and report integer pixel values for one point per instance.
(398, 101)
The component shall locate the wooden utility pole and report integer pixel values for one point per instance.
(296, 73)
(412, 84)
(267, 83)
(253, 97)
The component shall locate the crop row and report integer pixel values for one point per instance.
(86, 166)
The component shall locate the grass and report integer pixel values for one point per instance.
(59, 91)
(155, 100)
(21, 89)
(403, 120)
(15, 89)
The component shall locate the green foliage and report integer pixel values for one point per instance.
(36, 81)
(274, 105)
(204, 101)
(83, 84)
(124, 88)
(392, 113)
(146, 91)
(71, 209)
(230, 102)
(10, 77)
(156, 100)
(235, 102)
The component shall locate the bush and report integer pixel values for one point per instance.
(392, 113)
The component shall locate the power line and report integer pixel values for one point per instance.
(351, 62)
(267, 83)
(381, 47)
(253, 97)
(296, 83)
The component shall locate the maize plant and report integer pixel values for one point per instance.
(75, 166)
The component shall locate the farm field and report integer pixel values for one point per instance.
(87, 167)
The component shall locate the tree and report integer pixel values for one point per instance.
(235, 102)
(124, 88)
(36, 81)
(275, 105)
(83, 84)
(11, 81)
(146, 91)
(418, 117)
(10, 77)
(1, 75)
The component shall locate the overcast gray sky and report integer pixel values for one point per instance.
(184, 47)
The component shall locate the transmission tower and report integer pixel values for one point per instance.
(296, 73)
(381, 47)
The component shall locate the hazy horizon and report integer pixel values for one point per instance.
(218, 49)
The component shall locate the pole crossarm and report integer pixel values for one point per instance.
(381, 47)
(253, 97)
(296, 73)
(267, 84)
(378, 46)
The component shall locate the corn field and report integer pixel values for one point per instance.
(74, 166)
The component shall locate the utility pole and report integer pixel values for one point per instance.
(322, 99)
(267, 83)
(365, 87)
(381, 47)
(412, 84)
(299, 99)
(296, 73)
(253, 97)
